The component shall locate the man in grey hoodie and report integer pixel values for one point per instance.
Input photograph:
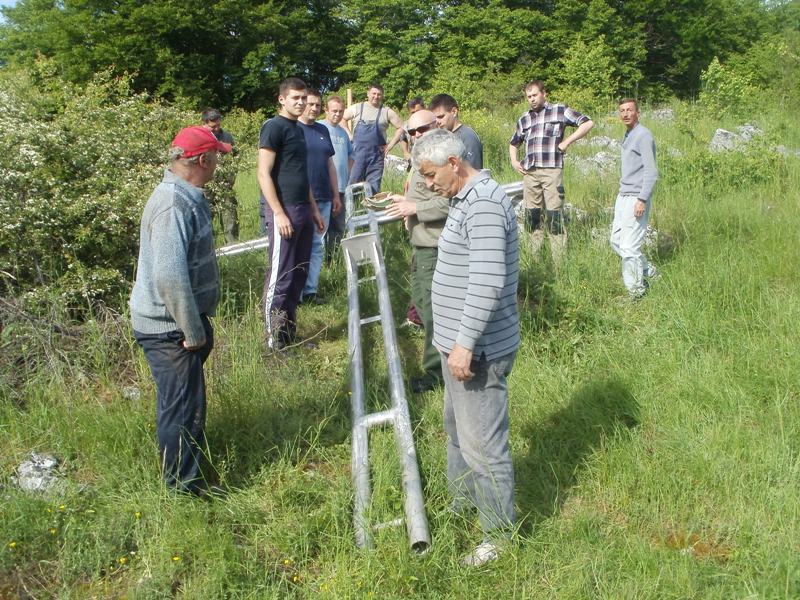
(176, 291)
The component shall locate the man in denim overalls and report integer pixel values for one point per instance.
(368, 122)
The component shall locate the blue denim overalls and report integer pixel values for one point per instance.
(368, 143)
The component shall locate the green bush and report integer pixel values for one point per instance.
(81, 162)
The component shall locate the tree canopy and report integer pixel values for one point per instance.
(234, 52)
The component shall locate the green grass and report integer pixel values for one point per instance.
(655, 445)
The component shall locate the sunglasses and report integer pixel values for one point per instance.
(421, 129)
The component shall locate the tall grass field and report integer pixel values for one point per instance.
(656, 445)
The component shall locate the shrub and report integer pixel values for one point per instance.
(82, 162)
(725, 89)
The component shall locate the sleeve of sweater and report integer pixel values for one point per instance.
(486, 232)
(647, 150)
(170, 236)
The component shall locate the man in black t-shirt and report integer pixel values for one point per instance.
(288, 211)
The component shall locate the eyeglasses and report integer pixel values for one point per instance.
(421, 129)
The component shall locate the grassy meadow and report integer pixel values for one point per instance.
(656, 444)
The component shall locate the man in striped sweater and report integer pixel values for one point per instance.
(476, 330)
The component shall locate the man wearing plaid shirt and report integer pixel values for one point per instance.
(542, 130)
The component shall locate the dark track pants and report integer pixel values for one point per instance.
(287, 272)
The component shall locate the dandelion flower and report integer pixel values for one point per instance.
(122, 560)
(61, 507)
(52, 531)
(12, 545)
(287, 561)
(137, 515)
(295, 578)
(176, 558)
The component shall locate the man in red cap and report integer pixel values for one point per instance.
(176, 291)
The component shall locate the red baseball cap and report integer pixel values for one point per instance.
(197, 140)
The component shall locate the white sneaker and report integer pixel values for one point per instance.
(484, 553)
(652, 273)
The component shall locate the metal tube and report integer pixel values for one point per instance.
(360, 249)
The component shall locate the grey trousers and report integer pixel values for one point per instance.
(479, 469)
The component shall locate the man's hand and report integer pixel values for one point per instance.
(563, 146)
(316, 216)
(285, 228)
(638, 208)
(337, 205)
(459, 362)
(401, 207)
(193, 348)
(517, 165)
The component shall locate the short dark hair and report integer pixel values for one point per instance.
(445, 101)
(291, 83)
(313, 92)
(627, 100)
(334, 99)
(210, 114)
(375, 85)
(415, 101)
(537, 83)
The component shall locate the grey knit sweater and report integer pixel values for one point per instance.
(639, 171)
(177, 279)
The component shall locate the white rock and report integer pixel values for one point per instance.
(39, 473)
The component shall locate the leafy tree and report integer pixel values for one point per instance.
(485, 52)
(220, 52)
(392, 45)
(61, 189)
(683, 36)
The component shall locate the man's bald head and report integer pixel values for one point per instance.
(420, 122)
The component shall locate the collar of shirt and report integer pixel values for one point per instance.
(480, 177)
(629, 131)
(534, 113)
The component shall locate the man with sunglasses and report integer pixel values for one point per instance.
(424, 213)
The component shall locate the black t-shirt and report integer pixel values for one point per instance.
(290, 171)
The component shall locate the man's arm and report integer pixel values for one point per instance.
(347, 117)
(266, 160)
(395, 120)
(647, 150)
(170, 236)
(579, 132)
(512, 155)
(337, 202)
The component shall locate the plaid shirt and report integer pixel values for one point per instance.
(542, 132)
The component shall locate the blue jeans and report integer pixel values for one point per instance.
(180, 403)
(479, 468)
(317, 250)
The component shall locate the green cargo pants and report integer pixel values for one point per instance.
(423, 264)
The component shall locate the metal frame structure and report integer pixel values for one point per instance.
(364, 249)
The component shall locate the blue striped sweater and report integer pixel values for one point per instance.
(474, 291)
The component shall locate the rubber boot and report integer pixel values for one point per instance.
(533, 220)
